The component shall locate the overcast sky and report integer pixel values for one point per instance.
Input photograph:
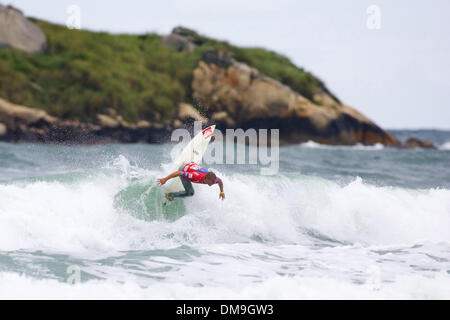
(398, 75)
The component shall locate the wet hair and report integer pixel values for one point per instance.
(210, 175)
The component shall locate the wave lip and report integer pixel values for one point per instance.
(315, 145)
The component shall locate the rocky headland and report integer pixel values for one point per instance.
(215, 83)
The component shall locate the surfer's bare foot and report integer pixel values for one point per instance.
(168, 198)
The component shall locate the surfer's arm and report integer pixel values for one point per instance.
(222, 194)
(170, 176)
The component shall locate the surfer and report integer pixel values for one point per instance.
(192, 173)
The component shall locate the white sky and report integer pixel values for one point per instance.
(398, 75)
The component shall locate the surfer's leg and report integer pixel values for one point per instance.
(188, 190)
(188, 187)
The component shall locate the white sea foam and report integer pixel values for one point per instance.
(15, 286)
(445, 146)
(358, 146)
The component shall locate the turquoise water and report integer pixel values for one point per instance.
(339, 222)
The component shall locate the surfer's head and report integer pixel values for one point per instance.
(210, 178)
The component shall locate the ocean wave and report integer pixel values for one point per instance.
(358, 146)
(378, 146)
(120, 208)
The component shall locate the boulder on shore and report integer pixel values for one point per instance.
(18, 32)
(182, 39)
(417, 143)
(188, 112)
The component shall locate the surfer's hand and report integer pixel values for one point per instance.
(162, 181)
(222, 195)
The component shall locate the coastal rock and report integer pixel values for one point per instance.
(3, 129)
(417, 143)
(179, 43)
(187, 111)
(252, 100)
(13, 115)
(142, 124)
(177, 123)
(182, 39)
(222, 117)
(107, 121)
(23, 124)
(18, 32)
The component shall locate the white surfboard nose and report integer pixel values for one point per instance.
(193, 152)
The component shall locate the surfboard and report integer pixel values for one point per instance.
(193, 152)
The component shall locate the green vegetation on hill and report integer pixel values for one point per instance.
(83, 73)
